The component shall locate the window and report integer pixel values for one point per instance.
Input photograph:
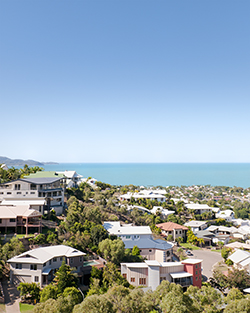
(1, 193)
(61, 258)
(44, 264)
(127, 237)
(33, 267)
(132, 279)
(17, 186)
(142, 281)
(49, 262)
(0, 221)
(36, 279)
(196, 278)
(196, 272)
(33, 187)
(19, 266)
(55, 259)
(8, 193)
(18, 193)
(71, 260)
(196, 266)
(150, 250)
(32, 193)
(124, 276)
(12, 220)
(80, 259)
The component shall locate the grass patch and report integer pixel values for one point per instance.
(24, 307)
(216, 250)
(2, 308)
(189, 246)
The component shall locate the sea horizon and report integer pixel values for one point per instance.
(162, 174)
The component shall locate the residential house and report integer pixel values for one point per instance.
(19, 217)
(152, 273)
(39, 205)
(196, 225)
(141, 236)
(72, 179)
(144, 194)
(39, 265)
(227, 215)
(38, 188)
(241, 259)
(164, 212)
(200, 208)
(173, 229)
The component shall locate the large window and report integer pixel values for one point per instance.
(12, 220)
(19, 266)
(17, 186)
(132, 279)
(36, 279)
(142, 281)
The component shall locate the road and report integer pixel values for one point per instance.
(209, 259)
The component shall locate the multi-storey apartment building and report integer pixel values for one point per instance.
(46, 188)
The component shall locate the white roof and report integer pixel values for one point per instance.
(44, 254)
(212, 228)
(180, 274)
(239, 256)
(136, 265)
(23, 202)
(195, 223)
(14, 211)
(237, 245)
(70, 174)
(152, 263)
(245, 262)
(117, 229)
(197, 206)
(191, 261)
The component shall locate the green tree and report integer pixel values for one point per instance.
(225, 252)
(29, 291)
(49, 292)
(65, 277)
(112, 250)
(238, 306)
(95, 304)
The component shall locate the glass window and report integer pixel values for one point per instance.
(55, 259)
(124, 276)
(33, 267)
(132, 279)
(44, 264)
(12, 220)
(36, 278)
(142, 281)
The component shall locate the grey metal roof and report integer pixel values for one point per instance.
(148, 243)
(42, 180)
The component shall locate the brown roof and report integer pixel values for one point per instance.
(169, 226)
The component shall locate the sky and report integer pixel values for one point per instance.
(125, 81)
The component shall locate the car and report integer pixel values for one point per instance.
(188, 252)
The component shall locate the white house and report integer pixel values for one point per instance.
(39, 265)
(200, 208)
(241, 259)
(163, 212)
(144, 194)
(72, 178)
(196, 225)
(141, 236)
(152, 273)
(227, 215)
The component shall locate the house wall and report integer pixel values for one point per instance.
(195, 270)
(137, 273)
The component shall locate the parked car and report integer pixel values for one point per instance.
(188, 252)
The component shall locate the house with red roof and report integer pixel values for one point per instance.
(174, 229)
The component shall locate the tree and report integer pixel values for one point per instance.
(238, 306)
(225, 252)
(135, 251)
(112, 250)
(234, 294)
(29, 291)
(48, 292)
(74, 293)
(65, 277)
(206, 299)
(94, 304)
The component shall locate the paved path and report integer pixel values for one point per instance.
(209, 259)
(11, 296)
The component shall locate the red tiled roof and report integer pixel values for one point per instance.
(169, 226)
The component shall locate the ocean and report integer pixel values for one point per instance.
(162, 174)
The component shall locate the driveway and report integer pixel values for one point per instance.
(209, 259)
(11, 297)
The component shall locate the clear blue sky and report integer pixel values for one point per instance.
(125, 81)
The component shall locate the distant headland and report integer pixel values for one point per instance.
(20, 162)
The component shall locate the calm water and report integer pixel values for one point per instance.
(163, 174)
